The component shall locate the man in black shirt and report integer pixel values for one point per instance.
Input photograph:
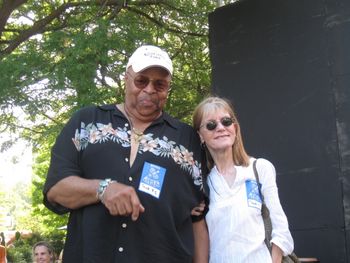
(129, 175)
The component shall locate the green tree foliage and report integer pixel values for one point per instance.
(59, 55)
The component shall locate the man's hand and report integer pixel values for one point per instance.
(198, 210)
(121, 199)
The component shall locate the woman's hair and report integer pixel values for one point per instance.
(212, 104)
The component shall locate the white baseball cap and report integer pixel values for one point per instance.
(150, 56)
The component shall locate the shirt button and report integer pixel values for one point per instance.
(126, 159)
(130, 179)
(121, 249)
(124, 225)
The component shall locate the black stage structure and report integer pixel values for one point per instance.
(285, 65)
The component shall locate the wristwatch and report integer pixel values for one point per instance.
(102, 187)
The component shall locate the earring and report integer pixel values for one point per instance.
(203, 145)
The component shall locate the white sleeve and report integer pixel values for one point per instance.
(281, 235)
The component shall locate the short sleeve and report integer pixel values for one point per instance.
(204, 187)
(64, 160)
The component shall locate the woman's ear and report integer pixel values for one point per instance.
(201, 137)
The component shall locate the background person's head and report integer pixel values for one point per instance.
(43, 252)
(147, 81)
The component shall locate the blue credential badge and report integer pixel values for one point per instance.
(152, 179)
(253, 196)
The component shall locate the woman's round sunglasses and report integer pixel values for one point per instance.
(212, 124)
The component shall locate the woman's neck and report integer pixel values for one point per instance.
(223, 161)
(225, 166)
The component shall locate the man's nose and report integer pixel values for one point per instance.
(150, 88)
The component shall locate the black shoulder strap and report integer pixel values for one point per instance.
(255, 171)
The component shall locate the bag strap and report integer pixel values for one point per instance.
(265, 213)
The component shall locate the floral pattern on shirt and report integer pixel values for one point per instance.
(100, 133)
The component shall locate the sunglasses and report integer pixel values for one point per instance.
(141, 82)
(211, 125)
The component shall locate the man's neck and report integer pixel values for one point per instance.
(138, 121)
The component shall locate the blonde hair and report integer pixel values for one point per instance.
(214, 103)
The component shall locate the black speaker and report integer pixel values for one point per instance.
(285, 65)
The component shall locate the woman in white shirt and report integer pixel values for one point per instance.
(235, 224)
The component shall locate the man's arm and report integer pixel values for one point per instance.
(276, 254)
(74, 192)
(201, 242)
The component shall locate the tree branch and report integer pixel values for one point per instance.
(44, 25)
(41, 26)
(6, 10)
(159, 23)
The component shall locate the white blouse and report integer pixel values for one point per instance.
(236, 228)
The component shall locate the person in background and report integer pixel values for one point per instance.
(43, 253)
(129, 174)
(235, 225)
(2, 249)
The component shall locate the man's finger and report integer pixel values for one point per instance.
(137, 208)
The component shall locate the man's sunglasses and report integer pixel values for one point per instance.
(141, 82)
(211, 125)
